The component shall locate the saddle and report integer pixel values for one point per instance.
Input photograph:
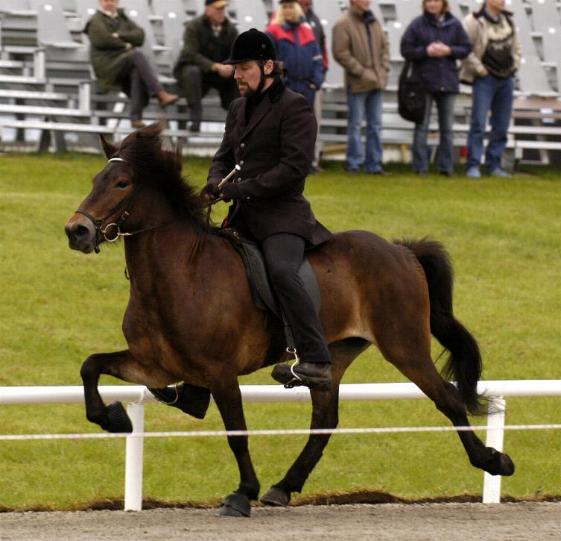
(261, 291)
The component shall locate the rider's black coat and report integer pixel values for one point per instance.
(274, 150)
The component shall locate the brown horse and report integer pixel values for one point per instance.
(191, 317)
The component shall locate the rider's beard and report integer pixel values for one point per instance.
(250, 92)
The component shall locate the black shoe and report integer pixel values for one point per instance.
(195, 126)
(316, 376)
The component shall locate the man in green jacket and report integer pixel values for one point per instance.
(206, 44)
(118, 61)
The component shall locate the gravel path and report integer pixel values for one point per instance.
(395, 522)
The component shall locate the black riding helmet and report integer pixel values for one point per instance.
(251, 45)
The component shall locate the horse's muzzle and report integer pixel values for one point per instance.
(81, 234)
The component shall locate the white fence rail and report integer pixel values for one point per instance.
(136, 396)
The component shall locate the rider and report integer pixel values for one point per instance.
(270, 135)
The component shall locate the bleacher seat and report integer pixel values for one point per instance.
(85, 9)
(173, 18)
(251, 14)
(547, 28)
(531, 76)
(193, 7)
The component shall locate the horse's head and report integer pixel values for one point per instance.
(137, 175)
(103, 211)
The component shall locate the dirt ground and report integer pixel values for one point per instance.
(395, 522)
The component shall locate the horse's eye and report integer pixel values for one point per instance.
(122, 184)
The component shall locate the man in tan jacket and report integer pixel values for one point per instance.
(360, 46)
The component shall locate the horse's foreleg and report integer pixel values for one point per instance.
(229, 402)
(112, 418)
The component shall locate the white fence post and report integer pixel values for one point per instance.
(134, 459)
(495, 438)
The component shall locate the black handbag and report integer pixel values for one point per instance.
(411, 94)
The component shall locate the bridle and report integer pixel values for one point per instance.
(112, 231)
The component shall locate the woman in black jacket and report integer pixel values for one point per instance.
(434, 41)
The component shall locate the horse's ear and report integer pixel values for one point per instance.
(108, 148)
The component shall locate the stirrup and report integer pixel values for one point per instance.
(296, 379)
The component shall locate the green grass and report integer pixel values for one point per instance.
(57, 306)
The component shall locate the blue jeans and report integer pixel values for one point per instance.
(445, 106)
(496, 95)
(361, 105)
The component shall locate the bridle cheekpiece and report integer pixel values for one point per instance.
(112, 231)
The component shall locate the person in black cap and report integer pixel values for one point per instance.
(206, 43)
(270, 134)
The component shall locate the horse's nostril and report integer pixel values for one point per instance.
(80, 231)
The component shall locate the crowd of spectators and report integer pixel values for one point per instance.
(482, 50)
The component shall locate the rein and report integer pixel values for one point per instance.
(112, 231)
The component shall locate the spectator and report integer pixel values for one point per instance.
(490, 68)
(317, 27)
(297, 50)
(360, 46)
(206, 44)
(118, 61)
(434, 41)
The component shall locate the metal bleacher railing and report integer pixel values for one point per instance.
(47, 85)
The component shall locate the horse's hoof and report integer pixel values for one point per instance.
(506, 467)
(235, 505)
(498, 463)
(276, 497)
(117, 418)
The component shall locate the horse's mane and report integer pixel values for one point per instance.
(160, 168)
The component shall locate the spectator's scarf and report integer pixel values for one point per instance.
(368, 18)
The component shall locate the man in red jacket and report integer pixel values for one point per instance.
(270, 134)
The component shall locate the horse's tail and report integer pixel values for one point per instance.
(464, 361)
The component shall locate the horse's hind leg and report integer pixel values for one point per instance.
(112, 418)
(228, 399)
(325, 414)
(417, 365)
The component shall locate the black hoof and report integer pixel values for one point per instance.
(506, 467)
(283, 374)
(235, 505)
(117, 418)
(498, 463)
(275, 497)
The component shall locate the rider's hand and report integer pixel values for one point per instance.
(210, 192)
(230, 191)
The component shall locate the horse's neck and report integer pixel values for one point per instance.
(153, 255)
